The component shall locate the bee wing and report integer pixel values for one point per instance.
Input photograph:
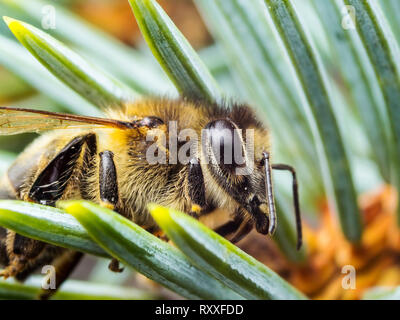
(18, 120)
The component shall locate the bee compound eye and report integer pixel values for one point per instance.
(223, 138)
(151, 122)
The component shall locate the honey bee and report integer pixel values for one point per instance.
(105, 160)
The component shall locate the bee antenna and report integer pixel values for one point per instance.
(296, 201)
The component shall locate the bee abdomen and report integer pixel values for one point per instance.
(18, 172)
(6, 190)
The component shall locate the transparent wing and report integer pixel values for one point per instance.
(18, 120)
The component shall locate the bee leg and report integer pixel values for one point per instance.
(21, 250)
(108, 180)
(243, 230)
(63, 265)
(229, 227)
(3, 248)
(238, 228)
(109, 191)
(46, 257)
(196, 190)
(6, 192)
(10, 242)
(114, 266)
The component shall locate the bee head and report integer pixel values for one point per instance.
(231, 160)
